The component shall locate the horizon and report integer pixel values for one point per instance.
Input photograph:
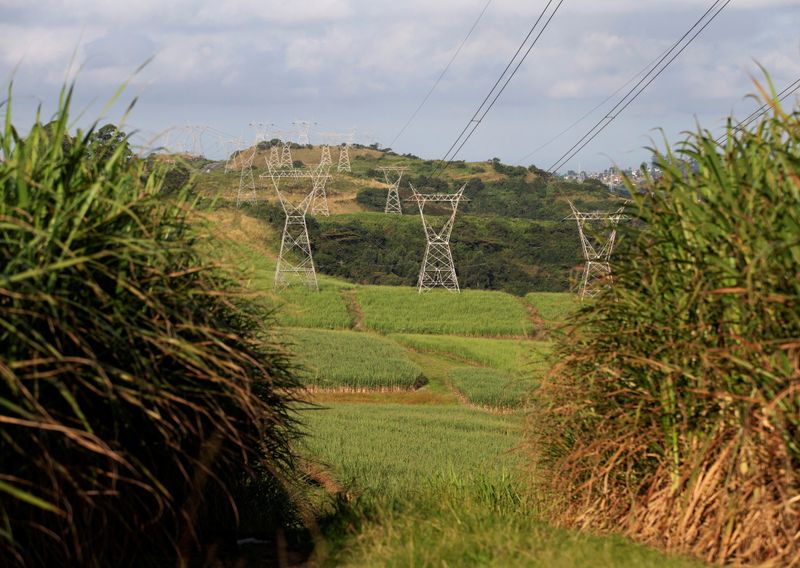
(347, 64)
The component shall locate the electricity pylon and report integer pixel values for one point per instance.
(286, 154)
(303, 131)
(320, 199)
(438, 269)
(344, 153)
(274, 160)
(295, 263)
(393, 198)
(262, 130)
(187, 140)
(284, 160)
(325, 156)
(247, 184)
(597, 244)
(233, 151)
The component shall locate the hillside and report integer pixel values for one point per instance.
(510, 235)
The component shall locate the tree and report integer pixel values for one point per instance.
(104, 141)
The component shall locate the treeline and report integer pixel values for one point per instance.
(491, 253)
(519, 195)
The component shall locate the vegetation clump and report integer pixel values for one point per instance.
(136, 400)
(675, 416)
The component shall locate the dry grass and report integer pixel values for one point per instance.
(136, 397)
(675, 415)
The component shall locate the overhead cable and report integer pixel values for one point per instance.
(677, 48)
(499, 86)
(441, 75)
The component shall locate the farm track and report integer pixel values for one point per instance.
(540, 330)
(353, 309)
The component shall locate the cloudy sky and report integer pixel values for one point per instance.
(366, 65)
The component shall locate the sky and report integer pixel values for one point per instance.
(365, 65)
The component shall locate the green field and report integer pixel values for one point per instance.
(425, 479)
(346, 359)
(492, 388)
(440, 486)
(512, 355)
(472, 312)
(299, 307)
(553, 307)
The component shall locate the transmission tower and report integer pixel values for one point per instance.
(320, 199)
(303, 131)
(344, 153)
(233, 150)
(286, 150)
(598, 231)
(274, 160)
(325, 157)
(295, 263)
(393, 198)
(262, 130)
(247, 185)
(438, 269)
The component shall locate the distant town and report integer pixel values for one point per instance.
(613, 176)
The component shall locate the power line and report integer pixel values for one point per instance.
(441, 75)
(760, 111)
(644, 71)
(494, 92)
(641, 85)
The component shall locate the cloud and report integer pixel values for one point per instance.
(38, 46)
(370, 63)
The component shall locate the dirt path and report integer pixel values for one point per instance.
(353, 309)
(539, 329)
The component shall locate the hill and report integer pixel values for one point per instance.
(510, 235)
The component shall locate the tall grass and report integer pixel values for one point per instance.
(676, 414)
(135, 401)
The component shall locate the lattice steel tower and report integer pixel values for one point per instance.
(274, 160)
(325, 149)
(247, 184)
(438, 269)
(344, 153)
(295, 263)
(597, 244)
(303, 131)
(285, 160)
(393, 206)
(233, 153)
(320, 199)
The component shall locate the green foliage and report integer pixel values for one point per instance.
(105, 141)
(493, 253)
(680, 384)
(542, 198)
(134, 393)
(372, 198)
(472, 312)
(333, 359)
